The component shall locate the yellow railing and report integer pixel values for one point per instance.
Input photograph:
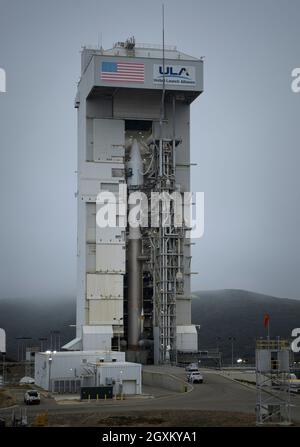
(272, 344)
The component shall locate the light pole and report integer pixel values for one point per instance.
(3, 368)
(50, 359)
(218, 339)
(22, 347)
(232, 339)
(42, 339)
(55, 340)
(49, 383)
(121, 383)
(18, 348)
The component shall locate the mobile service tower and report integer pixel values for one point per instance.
(133, 289)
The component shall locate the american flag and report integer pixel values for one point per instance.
(122, 72)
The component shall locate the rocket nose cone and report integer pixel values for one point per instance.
(135, 146)
(135, 152)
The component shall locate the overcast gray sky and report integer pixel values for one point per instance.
(245, 136)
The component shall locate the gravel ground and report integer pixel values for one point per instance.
(172, 418)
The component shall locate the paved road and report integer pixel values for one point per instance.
(216, 393)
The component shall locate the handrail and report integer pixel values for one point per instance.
(272, 344)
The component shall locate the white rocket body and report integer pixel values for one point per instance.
(135, 270)
(135, 165)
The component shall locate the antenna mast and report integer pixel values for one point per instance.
(162, 111)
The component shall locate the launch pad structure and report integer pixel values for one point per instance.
(133, 289)
(273, 384)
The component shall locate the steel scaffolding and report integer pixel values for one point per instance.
(273, 382)
(167, 251)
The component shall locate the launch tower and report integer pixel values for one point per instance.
(133, 288)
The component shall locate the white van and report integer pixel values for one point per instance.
(191, 367)
(195, 377)
(32, 397)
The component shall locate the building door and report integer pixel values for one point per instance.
(129, 386)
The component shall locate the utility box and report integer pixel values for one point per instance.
(96, 392)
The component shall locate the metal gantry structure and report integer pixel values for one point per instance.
(166, 248)
(273, 404)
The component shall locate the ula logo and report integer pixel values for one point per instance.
(174, 74)
(2, 81)
(170, 71)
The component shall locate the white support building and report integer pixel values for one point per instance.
(126, 377)
(66, 372)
